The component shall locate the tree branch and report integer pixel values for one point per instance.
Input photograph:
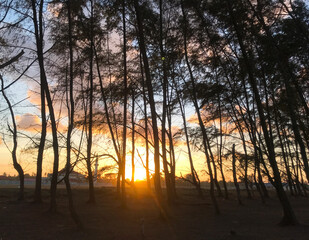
(14, 59)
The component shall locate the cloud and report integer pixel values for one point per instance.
(32, 123)
(34, 96)
(28, 122)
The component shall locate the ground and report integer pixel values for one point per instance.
(191, 218)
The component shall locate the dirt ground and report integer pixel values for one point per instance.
(191, 218)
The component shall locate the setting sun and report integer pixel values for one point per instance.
(140, 161)
(139, 175)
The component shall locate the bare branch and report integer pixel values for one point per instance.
(14, 59)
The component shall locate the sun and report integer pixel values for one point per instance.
(139, 173)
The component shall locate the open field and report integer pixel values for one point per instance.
(191, 218)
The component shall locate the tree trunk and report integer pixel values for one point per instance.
(133, 137)
(146, 125)
(167, 174)
(124, 133)
(16, 165)
(226, 195)
(91, 199)
(235, 176)
(38, 29)
(71, 112)
(205, 137)
(157, 182)
(195, 179)
(38, 178)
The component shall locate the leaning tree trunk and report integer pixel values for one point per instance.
(195, 179)
(16, 165)
(108, 119)
(197, 109)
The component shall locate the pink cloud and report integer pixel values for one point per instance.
(28, 122)
(32, 123)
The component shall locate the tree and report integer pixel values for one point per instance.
(197, 109)
(151, 100)
(71, 109)
(125, 82)
(235, 176)
(37, 18)
(16, 165)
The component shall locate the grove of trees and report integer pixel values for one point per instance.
(129, 74)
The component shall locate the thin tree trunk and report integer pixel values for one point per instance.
(256, 170)
(172, 162)
(16, 165)
(38, 178)
(298, 184)
(124, 133)
(195, 179)
(133, 137)
(285, 159)
(157, 182)
(260, 179)
(90, 117)
(241, 133)
(235, 176)
(164, 110)
(108, 118)
(71, 112)
(226, 195)
(38, 29)
(146, 125)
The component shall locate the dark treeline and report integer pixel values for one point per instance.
(126, 70)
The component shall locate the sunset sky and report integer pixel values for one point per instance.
(28, 120)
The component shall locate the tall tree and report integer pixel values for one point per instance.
(142, 45)
(90, 114)
(164, 111)
(37, 18)
(125, 102)
(16, 165)
(71, 112)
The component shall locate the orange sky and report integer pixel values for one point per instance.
(29, 122)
